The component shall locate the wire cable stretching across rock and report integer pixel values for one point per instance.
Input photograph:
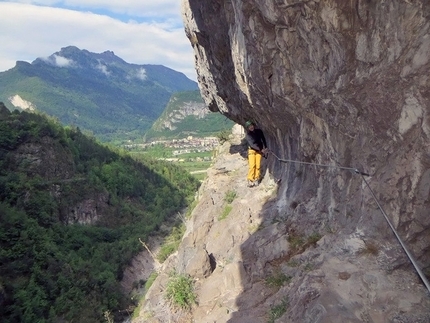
(362, 174)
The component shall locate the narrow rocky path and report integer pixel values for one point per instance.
(234, 247)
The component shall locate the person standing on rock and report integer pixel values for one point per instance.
(257, 147)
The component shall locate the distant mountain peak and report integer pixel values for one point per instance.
(99, 92)
(73, 57)
(71, 49)
(109, 52)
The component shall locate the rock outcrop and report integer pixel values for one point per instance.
(340, 83)
(51, 161)
(257, 264)
(188, 109)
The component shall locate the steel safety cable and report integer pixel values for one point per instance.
(411, 258)
(355, 170)
(405, 249)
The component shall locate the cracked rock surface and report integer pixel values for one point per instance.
(263, 263)
(338, 83)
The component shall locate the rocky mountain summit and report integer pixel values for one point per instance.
(339, 83)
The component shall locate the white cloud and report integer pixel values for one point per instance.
(103, 68)
(32, 31)
(141, 74)
(136, 8)
(59, 61)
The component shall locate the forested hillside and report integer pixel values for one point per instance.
(100, 93)
(71, 214)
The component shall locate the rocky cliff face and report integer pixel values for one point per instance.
(258, 263)
(331, 82)
(188, 109)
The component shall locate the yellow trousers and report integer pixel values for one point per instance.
(254, 161)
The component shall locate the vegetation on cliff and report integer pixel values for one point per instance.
(53, 266)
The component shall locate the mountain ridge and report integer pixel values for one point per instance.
(100, 93)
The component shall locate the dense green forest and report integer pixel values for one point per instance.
(53, 267)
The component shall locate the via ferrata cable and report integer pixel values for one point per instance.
(362, 174)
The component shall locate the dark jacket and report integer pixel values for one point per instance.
(256, 139)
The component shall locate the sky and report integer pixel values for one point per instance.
(138, 31)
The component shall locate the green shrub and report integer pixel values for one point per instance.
(296, 241)
(309, 267)
(230, 196)
(223, 136)
(150, 280)
(165, 251)
(277, 280)
(299, 244)
(180, 291)
(293, 263)
(277, 311)
(314, 238)
(171, 243)
(225, 212)
(190, 209)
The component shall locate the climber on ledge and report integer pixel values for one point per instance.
(257, 147)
